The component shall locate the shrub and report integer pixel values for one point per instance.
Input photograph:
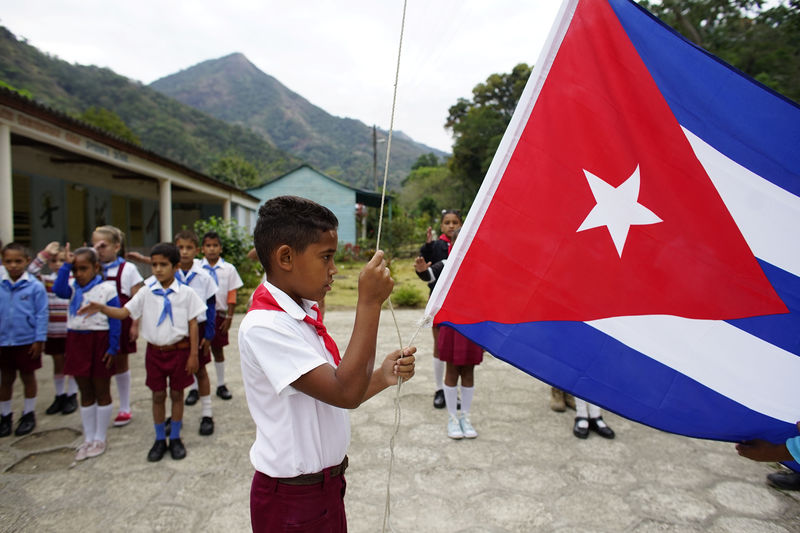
(407, 296)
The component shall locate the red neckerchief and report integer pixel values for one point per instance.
(263, 300)
(445, 238)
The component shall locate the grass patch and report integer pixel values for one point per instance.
(344, 294)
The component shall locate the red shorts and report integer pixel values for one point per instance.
(84, 354)
(310, 508)
(161, 365)
(220, 337)
(13, 358)
(55, 346)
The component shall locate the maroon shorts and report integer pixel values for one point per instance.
(275, 506)
(171, 364)
(84, 354)
(13, 358)
(55, 346)
(220, 337)
(457, 349)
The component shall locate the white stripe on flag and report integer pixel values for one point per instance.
(767, 216)
(726, 359)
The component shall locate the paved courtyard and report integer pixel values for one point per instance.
(525, 471)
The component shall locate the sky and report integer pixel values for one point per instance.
(341, 55)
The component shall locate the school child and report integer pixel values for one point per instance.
(23, 330)
(431, 253)
(589, 417)
(92, 343)
(761, 450)
(168, 314)
(227, 279)
(297, 386)
(66, 401)
(109, 242)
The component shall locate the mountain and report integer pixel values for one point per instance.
(164, 125)
(231, 88)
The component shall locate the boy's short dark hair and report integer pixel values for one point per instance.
(168, 250)
(187, 235)
(90, 252)
(290, 220)
(213, 235)
(18, 247)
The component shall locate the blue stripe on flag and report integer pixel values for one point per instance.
(749, 123)
(781, 330)
(602, 370)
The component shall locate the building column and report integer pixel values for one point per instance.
(6, 191)
(165, 209)
(226, 210)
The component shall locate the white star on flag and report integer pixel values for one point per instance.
(617, 208)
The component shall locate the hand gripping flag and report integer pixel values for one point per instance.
(636, 240)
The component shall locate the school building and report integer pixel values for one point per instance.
(61, 177)
(339, 197)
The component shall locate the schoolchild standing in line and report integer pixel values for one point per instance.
(92, 343)
(23, 331)
(109, 242)
(66, 400)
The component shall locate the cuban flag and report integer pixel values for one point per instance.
(636, 240)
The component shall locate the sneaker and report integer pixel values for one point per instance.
(206, 426)
(454, 430)
(438, 399)
(83, 451)
(176, 449)
(123, 419)
(26, 424)
(57, 405)
(192, 397)
(97, 448)
(224, 393)
(5, 425)
(466, 427)
(157, 451)
(70, 404)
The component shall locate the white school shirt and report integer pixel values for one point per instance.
(130, 277)
(186, 305)
(202, 284)
(103, 293)
(229, 280)
(295, 433)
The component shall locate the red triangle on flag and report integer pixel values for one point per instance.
(599, 111)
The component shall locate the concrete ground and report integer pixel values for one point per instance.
(524, 472)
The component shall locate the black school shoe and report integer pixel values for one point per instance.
(176, 449)
(157, 451)
(604, 431)
(26, 424)
(578, 431)
(784, 480)
(224, 393)
(192, 397)
(5, 425)
(70, 404)
(57, 406)
(206, 426)
(438, 399)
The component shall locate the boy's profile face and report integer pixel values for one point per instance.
(188, 251)
(212, 249)
(163, 269)
(55, 261)
(15, 262)
(106, 250)
(83, 269)
(314, 268)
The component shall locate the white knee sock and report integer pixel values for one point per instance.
(58, 381)
(205, 404)
(29, 405)
(466, 398)
(581, 408)
(124, 389)
(5, 407)
(193, 386)
(594, 411)
(103, 421)
(438, 372)
(220, 366)
(72, 386)
(451, 399)
(89, 421)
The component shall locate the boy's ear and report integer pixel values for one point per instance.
(284, 255)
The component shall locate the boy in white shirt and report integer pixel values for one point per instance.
(168, 313)
(297, 386)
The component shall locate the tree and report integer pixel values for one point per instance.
(236, 170)
(478, 126)
(426, 160)
(110, 122)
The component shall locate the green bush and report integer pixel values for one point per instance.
(236, 242)
(407, 296)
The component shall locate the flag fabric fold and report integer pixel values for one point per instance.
(654, 265)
